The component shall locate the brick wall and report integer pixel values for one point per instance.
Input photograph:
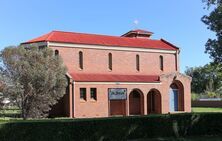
(124, 62)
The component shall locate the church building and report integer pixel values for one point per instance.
(123, 75)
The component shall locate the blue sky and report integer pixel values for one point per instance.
(174, 20)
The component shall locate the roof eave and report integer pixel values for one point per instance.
(166, 42)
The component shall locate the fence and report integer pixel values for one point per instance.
(207, 103)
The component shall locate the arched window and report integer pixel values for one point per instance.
(56, 52)
(80, 60)
(110, 61)
(174, 97)
(137, 62)
(161, 63)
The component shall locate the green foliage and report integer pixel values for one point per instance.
(195, 96)
(211, 94)
(213, 21)
(212, 2)
(35, 79)
(121, 128)
(207, 78)
(219, 91)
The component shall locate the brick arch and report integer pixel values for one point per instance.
(136, 102)
(154, 103)
(177, 85)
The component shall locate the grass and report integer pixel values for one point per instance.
(13, 113)
(206, 110)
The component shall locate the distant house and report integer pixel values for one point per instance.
(110, 75)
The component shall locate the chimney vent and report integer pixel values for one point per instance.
(138, 33)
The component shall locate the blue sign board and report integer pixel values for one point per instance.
(117, 93)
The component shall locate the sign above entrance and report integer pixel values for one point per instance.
(117, 93)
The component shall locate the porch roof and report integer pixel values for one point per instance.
(114, 78)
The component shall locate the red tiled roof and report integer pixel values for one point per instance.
(113, 78)
(93, 39)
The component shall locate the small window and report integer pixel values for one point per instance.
(161, 63)
(110, 61)
(56, 52)
(80, 60)
(93, 93)
(137, 62)
(83, 93)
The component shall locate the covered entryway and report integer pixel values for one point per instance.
(176, 96)
(117, 107)
(136, 102)
(154, 102)
(117, 101)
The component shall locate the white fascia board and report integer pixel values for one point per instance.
(118, 48)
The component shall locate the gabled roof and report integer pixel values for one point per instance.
(114, 78)
(103, 40)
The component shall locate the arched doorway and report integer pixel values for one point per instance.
(136, 104)
(153, 102)
(176, 97)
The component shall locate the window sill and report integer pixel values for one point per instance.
(93, 100)
(82, 101)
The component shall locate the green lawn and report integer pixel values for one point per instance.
(14, 112)
(205, 109)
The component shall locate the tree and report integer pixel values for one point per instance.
(205, 79)
(1, 91)
(214, 23)
(212, 2)
(35, 79)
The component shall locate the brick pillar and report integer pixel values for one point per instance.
(70, 100)
(145, 104)
(127, 105)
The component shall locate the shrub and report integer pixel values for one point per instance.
(195, 96)
(118, 128)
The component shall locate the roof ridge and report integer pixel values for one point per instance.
(104, 35)
(84, 33)
(49, 35)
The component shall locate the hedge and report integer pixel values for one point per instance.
(115, 128)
